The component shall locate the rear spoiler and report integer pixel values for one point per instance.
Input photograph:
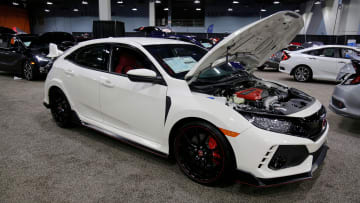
(54, 52)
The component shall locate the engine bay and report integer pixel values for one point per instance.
(254, 95)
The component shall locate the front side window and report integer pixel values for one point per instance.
(95, 57)
(125, 59)
(349, 53)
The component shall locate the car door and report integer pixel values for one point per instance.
(82, 71)
(329, 63)
(137, 108)
(5, 63)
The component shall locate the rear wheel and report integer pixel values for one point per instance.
(261, 68)
(202, 153)
(60, 109)
(302, 73)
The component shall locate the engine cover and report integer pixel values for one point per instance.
(253, 94)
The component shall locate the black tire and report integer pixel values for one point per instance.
(261, 68)
(302, 74)
(60, 109)
(203, 153)
(29, 71)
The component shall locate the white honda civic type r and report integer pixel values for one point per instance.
(177, 99)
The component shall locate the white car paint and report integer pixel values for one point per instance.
(136, 110)
(252, 44)
(322, 67)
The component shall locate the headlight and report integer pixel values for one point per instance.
(41, 59)
(276, 124)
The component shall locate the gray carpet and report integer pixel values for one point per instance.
(40, 162)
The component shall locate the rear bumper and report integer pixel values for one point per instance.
(247, 178)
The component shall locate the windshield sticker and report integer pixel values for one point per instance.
(180, 64)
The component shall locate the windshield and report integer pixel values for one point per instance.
(177, 60)
(27, 40)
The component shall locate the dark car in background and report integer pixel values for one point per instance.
(25, 55)
(274, 61)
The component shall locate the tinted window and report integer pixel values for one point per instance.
(4, 42)
(95, 57)
(125, 59)
(349, 53)
(316, 52)
(331, 52)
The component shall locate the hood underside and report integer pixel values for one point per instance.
(253, 44)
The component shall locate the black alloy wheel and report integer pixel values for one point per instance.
(60, 109)
(302, 74)
(203, 154)
(28, 71)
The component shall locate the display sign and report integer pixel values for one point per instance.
(180, 64)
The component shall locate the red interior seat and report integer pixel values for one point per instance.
(126, 63)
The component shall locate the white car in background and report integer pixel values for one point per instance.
(320, 62)
(177, 99)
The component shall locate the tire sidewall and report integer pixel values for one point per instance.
(228, 161)
(310, 74)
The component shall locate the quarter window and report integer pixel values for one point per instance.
(4, 42)
(96, 57)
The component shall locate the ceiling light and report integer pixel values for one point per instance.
(158, 2)
(235, 2)
(76, 10)
(15, 3)
(198, 9)
(196, 2)
(49, 3)
(47, 10)
(230, 9)
(263, 10)
(85, 2)
(134, 9)
(166, 9)
(297, 10)
(317, 2)
(120, 2)
(276, 2)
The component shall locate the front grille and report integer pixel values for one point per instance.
(338, 103)
(314, 125)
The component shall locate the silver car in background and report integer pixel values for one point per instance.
(345, 100)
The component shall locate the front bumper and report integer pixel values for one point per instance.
(247, 178)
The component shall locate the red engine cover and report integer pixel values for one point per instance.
(250, 94)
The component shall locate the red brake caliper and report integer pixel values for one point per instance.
(212, 145)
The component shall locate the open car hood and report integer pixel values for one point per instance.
(253, 44)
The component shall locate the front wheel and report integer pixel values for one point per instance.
(29, 71)
(302, 74)
(60, 109)
(202, 153)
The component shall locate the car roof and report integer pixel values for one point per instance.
(327, 46)
(143, 41)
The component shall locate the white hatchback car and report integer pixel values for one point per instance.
(177, 99)
(319, 62)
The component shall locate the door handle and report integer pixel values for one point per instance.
(106, 82)
(341, 62)
(69, 72)
(311, 58)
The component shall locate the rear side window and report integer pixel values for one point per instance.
(94, 57)
(316, 52)
(331, 52)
